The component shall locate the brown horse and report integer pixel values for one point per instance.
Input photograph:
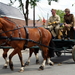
(3, 42)
(39, 34)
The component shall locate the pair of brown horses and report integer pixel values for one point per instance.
(36, 34)
(3, 42)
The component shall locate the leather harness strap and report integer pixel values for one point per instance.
(27, 36)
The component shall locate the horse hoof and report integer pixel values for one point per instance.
(27, 63)
(4, 67)
(41, 68)
(51, 64)
(21, 70)
(11, 66)
(37, 61)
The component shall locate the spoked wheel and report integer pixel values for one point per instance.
(58, 53)
(73, 53)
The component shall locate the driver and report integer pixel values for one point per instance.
(53, 23)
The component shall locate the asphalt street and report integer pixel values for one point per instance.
(64, 65)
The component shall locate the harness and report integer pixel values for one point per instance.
(27, 36)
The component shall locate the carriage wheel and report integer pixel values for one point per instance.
(73, 53)
(58, 54)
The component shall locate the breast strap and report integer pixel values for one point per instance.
(27, 36)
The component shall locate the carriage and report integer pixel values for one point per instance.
(59, 44)
(64, 45)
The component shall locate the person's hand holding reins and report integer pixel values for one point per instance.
(66, 25)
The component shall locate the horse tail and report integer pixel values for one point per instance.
(51, 50)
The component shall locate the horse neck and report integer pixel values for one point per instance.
(7, 26)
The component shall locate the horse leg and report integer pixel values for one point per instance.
(49, 56)
(36, 55)
(50, 52)
(21, 60)
(49, 61)
(31, 50)
(15, 51)
(45, 52)
(10, 59)
(5, 58)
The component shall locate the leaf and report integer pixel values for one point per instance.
(49, 3)
(72, 4)
(11, 1)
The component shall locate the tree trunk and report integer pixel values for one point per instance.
(26, 14)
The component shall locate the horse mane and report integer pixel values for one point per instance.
(8, 20)
(6, 17)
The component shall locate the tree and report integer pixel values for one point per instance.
(73, 4)
(49, 1)
(33, 3)
(61, 14)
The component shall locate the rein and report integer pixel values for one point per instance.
(20, 39)
(29, 40)
(20, 28)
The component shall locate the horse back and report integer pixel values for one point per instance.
(40, 34)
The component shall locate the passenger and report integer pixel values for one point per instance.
(68, 23)
(53, 23)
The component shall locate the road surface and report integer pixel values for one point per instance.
(64, 65)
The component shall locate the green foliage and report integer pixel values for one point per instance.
(53, 0)
(49, 1)
(33, 2)
(73, 4)
(61, 14)
(12, 2)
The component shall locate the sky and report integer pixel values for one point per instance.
(43, 9)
